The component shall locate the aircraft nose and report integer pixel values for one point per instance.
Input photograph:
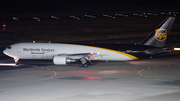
(6, 51)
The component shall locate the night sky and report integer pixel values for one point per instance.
(74, 24)
(13, 6)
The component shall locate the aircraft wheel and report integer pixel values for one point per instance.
(17, 63)
(86, 65)
(81, 65)
(91, 63)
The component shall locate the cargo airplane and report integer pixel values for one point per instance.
(85, 54)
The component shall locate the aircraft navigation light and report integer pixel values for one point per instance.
(91, 53)
(4, 26)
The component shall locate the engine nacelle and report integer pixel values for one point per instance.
(61, 60)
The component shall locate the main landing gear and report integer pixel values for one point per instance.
(85, 63)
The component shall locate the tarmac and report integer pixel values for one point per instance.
(156, 79)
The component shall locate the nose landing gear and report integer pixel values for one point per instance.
(16, 61)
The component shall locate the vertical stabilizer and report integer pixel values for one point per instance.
(158, 37)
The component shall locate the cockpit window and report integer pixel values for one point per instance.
(8, 47)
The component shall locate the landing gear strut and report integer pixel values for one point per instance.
(85, 63)
(16, 61)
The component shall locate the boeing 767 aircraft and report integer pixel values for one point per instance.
(61, 54)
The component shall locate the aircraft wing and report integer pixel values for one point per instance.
(80, 55)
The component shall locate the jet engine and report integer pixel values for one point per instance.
(62, 60)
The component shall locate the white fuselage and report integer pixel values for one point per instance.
(49, 50)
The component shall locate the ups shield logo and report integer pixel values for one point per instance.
(161, 34)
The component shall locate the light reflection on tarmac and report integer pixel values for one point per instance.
(143, 80)
(7, 64)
